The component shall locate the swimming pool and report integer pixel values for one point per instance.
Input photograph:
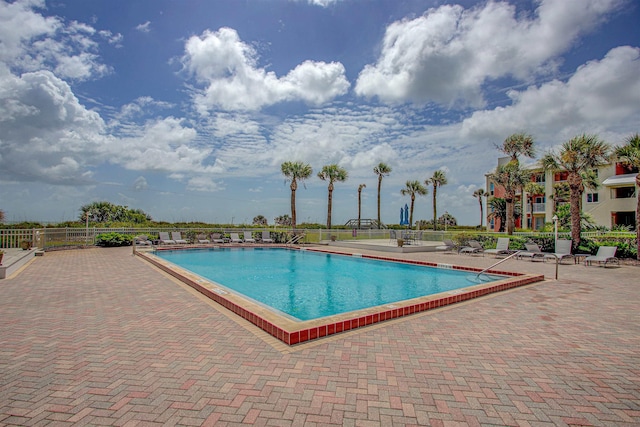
(310, 285)
(291, 330)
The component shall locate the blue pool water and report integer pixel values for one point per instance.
(309, 285)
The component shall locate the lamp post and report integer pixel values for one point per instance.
(555, 231)
(555, 240)
(86, 235)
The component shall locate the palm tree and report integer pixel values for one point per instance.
(560, 194)
(381, 170)
(360, 187)
(518, 144)
(497, 208)
(437, 180)
(515, 145)
(532, 188)
(332, 173)
(578, 157)
(479, 194)
(260, 220)
(412, 188)
(294, 172)
(512, 178)
(629, 155)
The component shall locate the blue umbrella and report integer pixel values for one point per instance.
(401, 216)
(406, 214)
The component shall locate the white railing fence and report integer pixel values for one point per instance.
(53, 238)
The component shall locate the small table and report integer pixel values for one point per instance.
(578, 258)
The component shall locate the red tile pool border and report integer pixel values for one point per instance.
(304, 333)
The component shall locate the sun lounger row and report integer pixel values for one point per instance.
(604, 256)
(534, 252)
(176, 238)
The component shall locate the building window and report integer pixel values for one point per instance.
(491, 189)
(560, 176)
(592, 197)
(538, 177)
(625, 192)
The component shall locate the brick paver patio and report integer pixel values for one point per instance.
(99, 337)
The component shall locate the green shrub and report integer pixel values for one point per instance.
(113, 239)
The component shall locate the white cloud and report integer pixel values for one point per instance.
(114, 39)
(447, 54)
(227, 67)
(144, 28)
(19, 24)
(141, 107)
(161, 145)
(601, 95)
(47, 134)
(204, 183)
(32, 42)
(140, 183)
(323, 3)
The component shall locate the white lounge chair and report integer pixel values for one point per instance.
(605, 255)
(142, 240)
(533, 252)
(235, 238)
(473, 247)
(218, 238)
(201, 238)
(266, 237)
(563, 250)
(448, 246)
(165, 239)
(177, 237)
(502, 247)
(248, 238)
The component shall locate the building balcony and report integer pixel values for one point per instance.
(537, 208)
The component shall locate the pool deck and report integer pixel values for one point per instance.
(100, 337)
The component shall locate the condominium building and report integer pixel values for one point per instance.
(613, 203)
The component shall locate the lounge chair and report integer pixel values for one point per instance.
(502, 247)
(248, 238)
(416, 237)
(142, 240)
(201, 238)
(266, 237)
(165, 239)
(448, 246)
(533, 252)
(563, 250)
(218, 238)
(235, 238)
(605, 255)
(473, 247)
(177, 237)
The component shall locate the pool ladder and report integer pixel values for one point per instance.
(497, 263)
(295, 239)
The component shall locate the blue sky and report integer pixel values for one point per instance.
(187, 109)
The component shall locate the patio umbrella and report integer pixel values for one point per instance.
(406, 214)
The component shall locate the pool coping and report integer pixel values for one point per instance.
(293, 332)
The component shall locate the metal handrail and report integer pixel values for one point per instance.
(295, 239)
(497, 263)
